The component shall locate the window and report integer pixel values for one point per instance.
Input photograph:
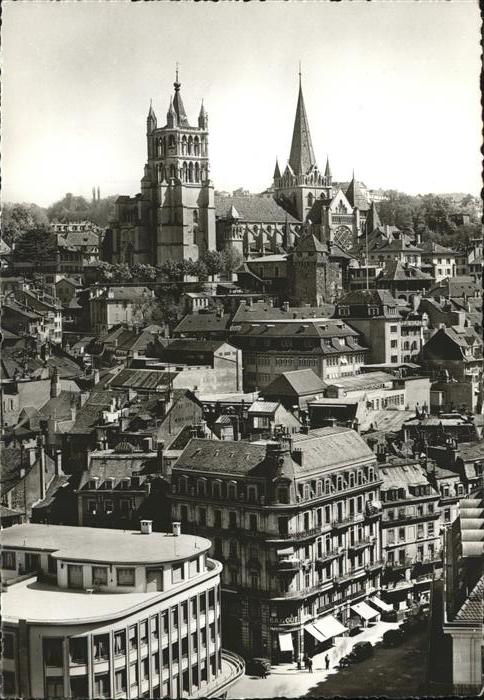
(283, 526)
(217, 518)
(7, 645)
(101, 647)
(430, 529)
(394, 359)
(420, 531)
(283, 494)
(447, 515)
(108, 506)
(202, 517)
(120, 681)
(145, 669)
(53, 655)
(177, 573)
(252, 494)
(401, 534)
(394, 343)
(184, 514)
(232, 520)
(99, 576)
(133, 637)
(32, 562)
(120, 643)
(54, 687)
(125, 577)
(143, 632)
(253, 522)
(9, 560)
(391, 536)
(133, 674)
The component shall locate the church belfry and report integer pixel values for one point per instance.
(174, 216)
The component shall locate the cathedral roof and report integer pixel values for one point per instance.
(252, 208)
(356, 197)
(179, 107)
(277, 172)
(327, 170)
(301, 158)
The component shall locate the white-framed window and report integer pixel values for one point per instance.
(125, 576)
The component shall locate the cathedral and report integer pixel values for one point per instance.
(173, 218)
(331, 214)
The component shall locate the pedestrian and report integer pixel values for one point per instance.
(306, 661)
(326, 661)
(310, 665)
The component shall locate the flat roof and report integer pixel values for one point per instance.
(43, 603)
(104, 545)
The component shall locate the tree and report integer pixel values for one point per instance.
(38, 245)
(232, 260)
(171, 269)
(213, 260)
(144, 273)
(121, 272)
(20, 218)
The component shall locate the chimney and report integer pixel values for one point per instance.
(41, 452)
(146, 527)
(58, 463)
(147, 444)
(176, 529)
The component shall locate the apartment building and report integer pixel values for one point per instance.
(410, 531)
(296, 523)
(97, 613)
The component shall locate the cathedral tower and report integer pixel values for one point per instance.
(174, 216)
(301, 183)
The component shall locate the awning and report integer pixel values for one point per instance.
(329, 626)
(314, 632)
(285, 552)
(285, 641)
(386, 607)
(364, 611)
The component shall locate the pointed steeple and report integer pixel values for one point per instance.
(202, 118)
(277, 172)
(171, 118)
(301, 157)
(327, 170)
(151, 119)
(178, 103)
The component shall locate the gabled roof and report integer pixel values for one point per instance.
(251, 208)
(373, 218)
(310, 244)
(146, 379)
(379, 297)
(299, 382)
(394, 271)
(301, 158)
(262, 311)
(432, 247)
(203, 322)
(398, 245)
(355, 196)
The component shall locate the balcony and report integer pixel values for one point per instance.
(370, 567)
(348, 575)
(286, 565)
(327, 557)
(400, 564)
(361, 544)
(341, 524)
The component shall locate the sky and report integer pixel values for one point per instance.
(391, 89)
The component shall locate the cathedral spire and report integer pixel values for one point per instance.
(202, 117)
(301, 158)
(277, 172)
(171, 116)
(178, 102)
(151, 118)
(327, 170)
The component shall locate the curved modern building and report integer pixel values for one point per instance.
(98, 613)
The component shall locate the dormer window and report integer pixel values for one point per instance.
(283, 494)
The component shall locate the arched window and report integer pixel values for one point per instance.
(197, 172)
(216, 489)
(190, 146)
(196, 146)
(352, 480)
(184, 146)
(339, 483)
(172, 171)
(201, 487)
(190, 172)
(360, 477)
(319, 488)
(232, 490)
(307, 491)
(185, 172)
(310, 200)
(171, 141)
(327, 486)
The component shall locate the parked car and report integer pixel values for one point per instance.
(392, 638)
(344, 662)
(389, 616)
(258, 666)
(361, 650)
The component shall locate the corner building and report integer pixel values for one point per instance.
(296, 523)
(173, 218)
(97, 613)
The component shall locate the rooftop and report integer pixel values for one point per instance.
(94, 544)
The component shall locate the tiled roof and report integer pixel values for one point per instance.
(325, 449)
(366, 380)
(203, 322)
(60, 406)
(433, 247)
(263, 407)
(77, 239)
(402, 476)
(299, 382)
(262, 311)
(89, 414)
(368, 296)
(118, 465)
(252, 208)
(143, 379)
(386, 421)
(470, 451)
(456, 287)
(355, 196)
(394, 271)
(473, 607)
(117, 293)
(307, 328)
(310, 244)
(399, 245)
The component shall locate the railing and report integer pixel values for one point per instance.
(400, 564)
(327, 556)
(290, 565)
(434, 515)
(341, 523)
(347, 575)
(372, 566)
(361, 544)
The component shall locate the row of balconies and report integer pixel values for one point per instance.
(408, 562)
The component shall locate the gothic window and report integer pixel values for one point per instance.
(190, 146)
(197, 172)
(195, 216)
(171, 141)
(196, 146)
(185, 172)
(190, 172)
(184, 146)
(310, 200)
